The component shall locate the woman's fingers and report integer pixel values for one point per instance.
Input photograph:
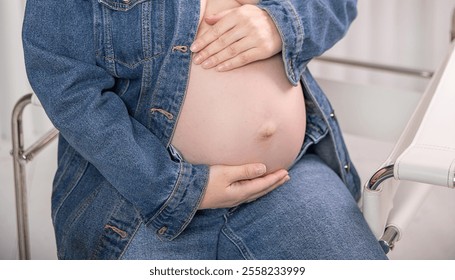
(244, 172)
(266, 191)
(227, 62)
(220, 25)
(250, 190)
(239, 51)
(230, 44)
(237, 37)
(230, 186)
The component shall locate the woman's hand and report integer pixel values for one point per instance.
(237, 37)
(230, 186)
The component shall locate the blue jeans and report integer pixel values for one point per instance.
(312, 216)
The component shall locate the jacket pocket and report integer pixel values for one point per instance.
(129, 33)
(121, 5)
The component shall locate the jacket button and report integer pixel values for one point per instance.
(332, 115)
(162, 230)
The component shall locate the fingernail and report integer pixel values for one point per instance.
(287, 178)
(260, 169)
(207, 64)
(221, 68)
(194, 47)
(197, 59)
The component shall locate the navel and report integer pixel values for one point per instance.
(266, 131)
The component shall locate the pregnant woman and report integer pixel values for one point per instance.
(194, 130)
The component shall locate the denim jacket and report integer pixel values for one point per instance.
(112, 75)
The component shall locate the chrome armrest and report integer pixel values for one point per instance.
(425, 153)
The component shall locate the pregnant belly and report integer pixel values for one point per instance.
(251, 114)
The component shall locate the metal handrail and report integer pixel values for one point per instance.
(20, 159)
(380, 67)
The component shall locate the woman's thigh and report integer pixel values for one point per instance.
(312, 216)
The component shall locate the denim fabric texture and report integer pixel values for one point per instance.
(288, 223)
(112, 75)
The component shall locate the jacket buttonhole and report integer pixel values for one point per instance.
(122, 233)
(162, 230)
(182, 49)
(164, 112)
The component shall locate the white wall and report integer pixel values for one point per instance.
(406, 33)
(13, 79)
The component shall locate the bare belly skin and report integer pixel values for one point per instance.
(247, 115)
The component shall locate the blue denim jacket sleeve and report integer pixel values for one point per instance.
(308, 28)
(61, 66)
